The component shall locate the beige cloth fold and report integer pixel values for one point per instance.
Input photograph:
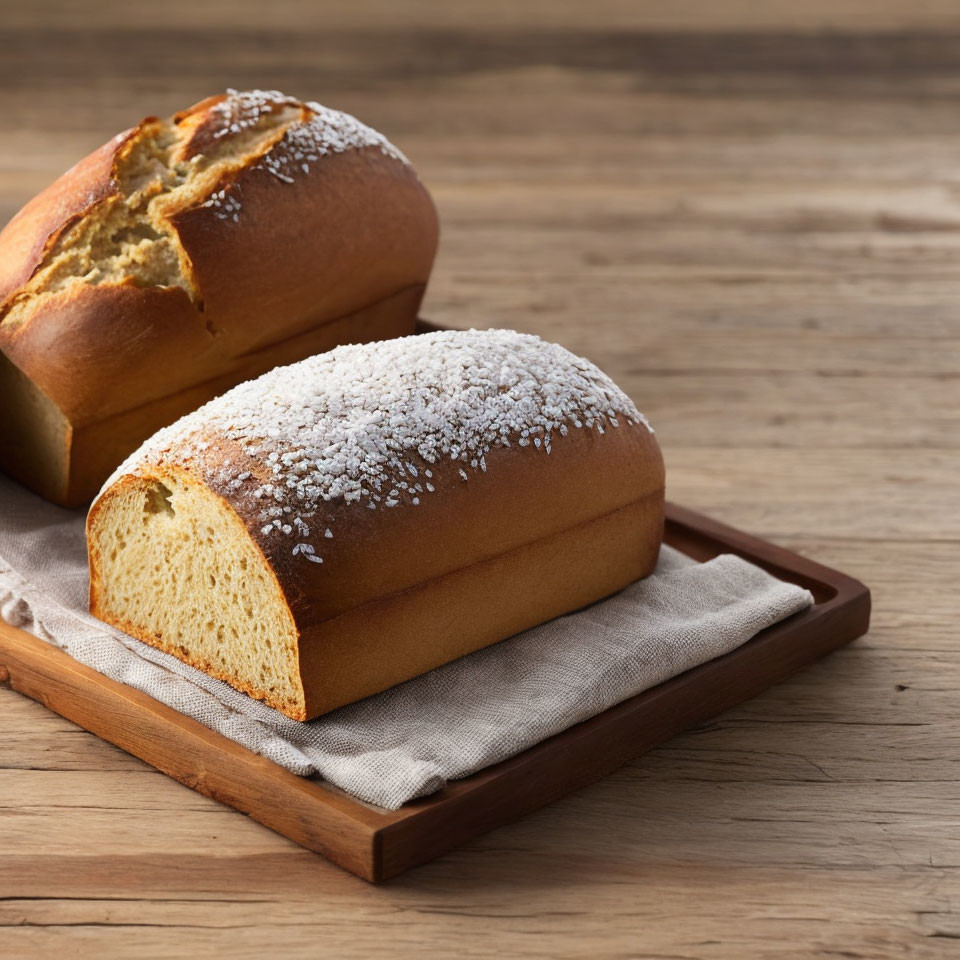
(408, 741)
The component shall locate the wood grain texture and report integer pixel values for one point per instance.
(759, 237)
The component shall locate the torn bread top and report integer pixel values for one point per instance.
(168, 166)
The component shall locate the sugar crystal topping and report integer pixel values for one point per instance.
(243, 110)
(304, 143)
(365, 423)
(327, 131)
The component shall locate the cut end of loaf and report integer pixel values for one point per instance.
(172, 565)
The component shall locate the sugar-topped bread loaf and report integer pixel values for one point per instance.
(353, 520)
(188, 255)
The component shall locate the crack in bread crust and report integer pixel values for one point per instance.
(128, 236)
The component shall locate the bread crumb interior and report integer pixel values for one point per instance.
(177, 569)
(128, 237)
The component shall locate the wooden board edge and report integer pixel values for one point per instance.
(327, 822)
(377, 845)
(582, 754)
(783, 563)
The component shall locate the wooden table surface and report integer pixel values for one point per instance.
(749, 214)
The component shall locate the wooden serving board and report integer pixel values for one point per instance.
(378, 844)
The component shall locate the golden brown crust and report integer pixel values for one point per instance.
(524, 496)
(402, 635)
(349, 232)
(98, 445)
(312, 228)
(110, 347)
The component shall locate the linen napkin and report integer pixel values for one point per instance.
(410, 740)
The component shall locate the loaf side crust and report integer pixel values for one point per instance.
(366, 217)
(373, 553)
(35, 437)
(403, 635)
(99, 442)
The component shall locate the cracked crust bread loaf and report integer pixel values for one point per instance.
(188, 255)
(351, 521)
